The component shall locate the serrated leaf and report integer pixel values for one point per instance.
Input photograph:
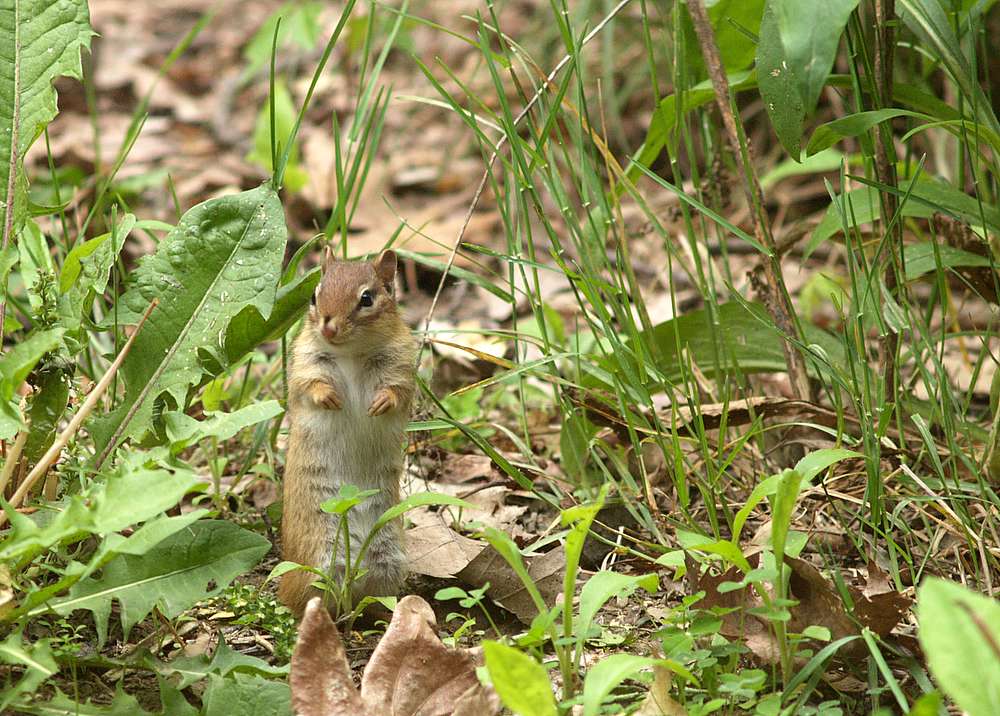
(47, 404)
(15, 365)
(123, 499)
(62, 705)
(223, 256)
(42, 40)
(185, 568)
(224, 661)
(182, 429)
(89, 263)
(36, 659)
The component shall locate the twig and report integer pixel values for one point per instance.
(777, 300)
(74, 425)
(493, 157)
(13, 458)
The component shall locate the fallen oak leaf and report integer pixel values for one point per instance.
(818, 604)
(506, 588)
(436, 550)
(320, 678)
(411, 673)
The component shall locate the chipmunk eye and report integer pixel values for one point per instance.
(366, 299)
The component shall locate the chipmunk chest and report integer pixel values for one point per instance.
(355, 384)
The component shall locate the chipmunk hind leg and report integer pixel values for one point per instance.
(385, 565)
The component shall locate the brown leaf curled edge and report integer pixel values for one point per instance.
(411, 673)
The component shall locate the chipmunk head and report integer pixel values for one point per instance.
(353, 297)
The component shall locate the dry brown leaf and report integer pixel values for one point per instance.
(320, 677)
(658, 701)
(879, 606)
(436, 550)
(411, 673)
(818, 605)
(466, 468)
(506, 587)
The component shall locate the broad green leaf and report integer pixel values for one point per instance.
(779, 83)
(608, 674)
(42, 40)
(223, 662)
(578, 519)
(817, 461)
(727, 550)
(300, 25)
(782, 506)
(959, 631)
(183, 430)
(798, 43)
(826, 161)
(860, 206)
(247, 695)
(189, 566)
(922, 258)
(750, 341)
(150, 534)
(826, 135)
(223, 256)
(35, 658)
(519, 680)
(19, 360)
(602, 586)
(764, 488)
(248, 329)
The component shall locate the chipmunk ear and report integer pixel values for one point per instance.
(328, 257)
(385, 267)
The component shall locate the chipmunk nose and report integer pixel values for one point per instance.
(331, 329)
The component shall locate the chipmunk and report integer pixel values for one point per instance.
(350, 389)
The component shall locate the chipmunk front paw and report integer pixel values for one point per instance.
(385, 400)
(324, 396)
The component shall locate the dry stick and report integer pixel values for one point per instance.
(74, 425)
(885, 171)
(493, 157)
(13, 458)
(777, 300)
(8, 224)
